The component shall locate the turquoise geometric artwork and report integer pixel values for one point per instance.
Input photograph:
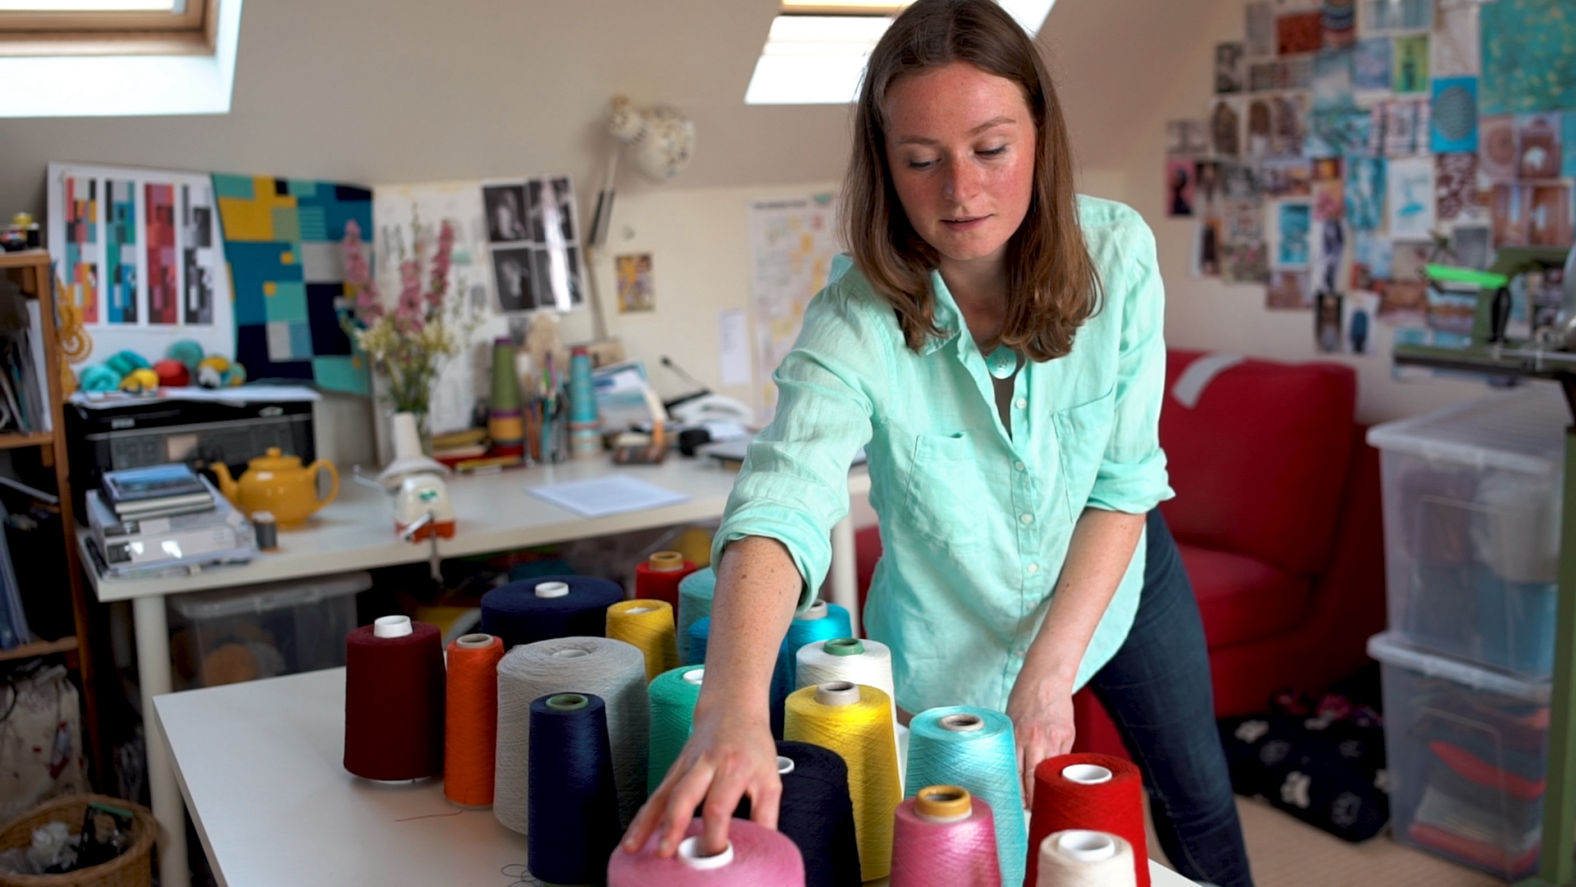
(281, 239)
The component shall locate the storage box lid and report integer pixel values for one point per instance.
(1391, 648)
(272, 596)
(1521, 430)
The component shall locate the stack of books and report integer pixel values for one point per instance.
(155, 491)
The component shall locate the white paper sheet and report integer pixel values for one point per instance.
(603, 496)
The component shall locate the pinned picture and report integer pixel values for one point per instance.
(1206, 248)
(1208, 189)
(1329, 254)
(512, 273)
(1454, 50)
(1258, 27)
(1372, 68)
(1242, 221)
(1509, 214)
(1409, 260)
(1262, 76)
(1375, 16)
(1230, 68)
(1295, 72)
(1411, 63)
(1241, 181)
(1244, 262)
(1287, 291)
(1284, 178)
(505, 206)
(1333, 80)
(1370, 261)
(1327, 321)
(1403, 302)
(1455, 186)
(1179, 186)
(1365, 192)
(1360, 309)
(1498, 159)
(1292, 220)
(1329, 200)
(1538, 145)
(635, 291)
(1410, 197)
(1299, 32)
(1340, 23)
(1225, 127)
(1469, 244)
(1187, 137)
(1549, 219)
(1453, 117)
(1405, 127)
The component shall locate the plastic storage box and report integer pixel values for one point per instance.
(1472, 527)
(1466, 751)
(222, 637)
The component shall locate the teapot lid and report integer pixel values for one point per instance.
(273, 460)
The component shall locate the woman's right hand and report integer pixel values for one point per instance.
(729, 755)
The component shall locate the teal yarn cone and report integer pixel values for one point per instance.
(974, 748)
(820, 621)
(582, 396)
(698, 635)
(673, 694)
(695, 593)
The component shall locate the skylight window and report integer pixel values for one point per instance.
(816, 51)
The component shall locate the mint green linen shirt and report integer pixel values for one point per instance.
(975, 522)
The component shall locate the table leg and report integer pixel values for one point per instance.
(845, 582)
(153, 670)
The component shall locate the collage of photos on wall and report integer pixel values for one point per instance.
(1348, 144)
(535, 244)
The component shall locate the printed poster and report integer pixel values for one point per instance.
(792, 244)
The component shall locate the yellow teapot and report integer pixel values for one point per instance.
(278, 484)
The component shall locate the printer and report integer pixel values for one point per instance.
(195, 426)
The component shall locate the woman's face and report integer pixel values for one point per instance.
(961, 148)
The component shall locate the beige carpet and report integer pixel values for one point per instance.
(1288, 853)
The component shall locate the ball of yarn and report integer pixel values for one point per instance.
(99, 377)
(188, 352)
(140, 379)
(172, 373)
(757, 856)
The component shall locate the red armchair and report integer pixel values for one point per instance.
(1277, 517)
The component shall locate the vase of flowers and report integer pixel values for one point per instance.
(408, 342)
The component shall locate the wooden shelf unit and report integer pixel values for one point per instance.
(33, 273)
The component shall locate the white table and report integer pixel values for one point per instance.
(260, 766)
(493, 512)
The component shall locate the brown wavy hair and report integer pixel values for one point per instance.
(1053, 286)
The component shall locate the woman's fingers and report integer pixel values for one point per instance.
(680, 807)
(730, 783)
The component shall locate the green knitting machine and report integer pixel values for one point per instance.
(1549, 352)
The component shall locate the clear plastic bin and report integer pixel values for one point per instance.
(1472, 527)
(1466, 751)
(259, 631)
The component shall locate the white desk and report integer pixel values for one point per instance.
(260, 765)
(493, 512)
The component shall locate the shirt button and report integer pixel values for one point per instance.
(1021, 402)
(1034, 568)
(1026, 518)
(1018, 465)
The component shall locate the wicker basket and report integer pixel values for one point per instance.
(134, 868)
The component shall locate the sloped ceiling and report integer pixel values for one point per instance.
(411, 90)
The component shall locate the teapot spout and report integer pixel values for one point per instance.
(227, 486)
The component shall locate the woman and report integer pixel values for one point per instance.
(996, 348)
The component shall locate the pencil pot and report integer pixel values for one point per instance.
(132, 867)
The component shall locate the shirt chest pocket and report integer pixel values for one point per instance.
(946, 492)
(1083, 433)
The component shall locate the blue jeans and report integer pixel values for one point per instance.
(1157, 690)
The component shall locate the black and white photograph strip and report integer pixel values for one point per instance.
(535, 244)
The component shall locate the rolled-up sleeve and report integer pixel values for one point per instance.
(794, 483)
(1132, 476)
